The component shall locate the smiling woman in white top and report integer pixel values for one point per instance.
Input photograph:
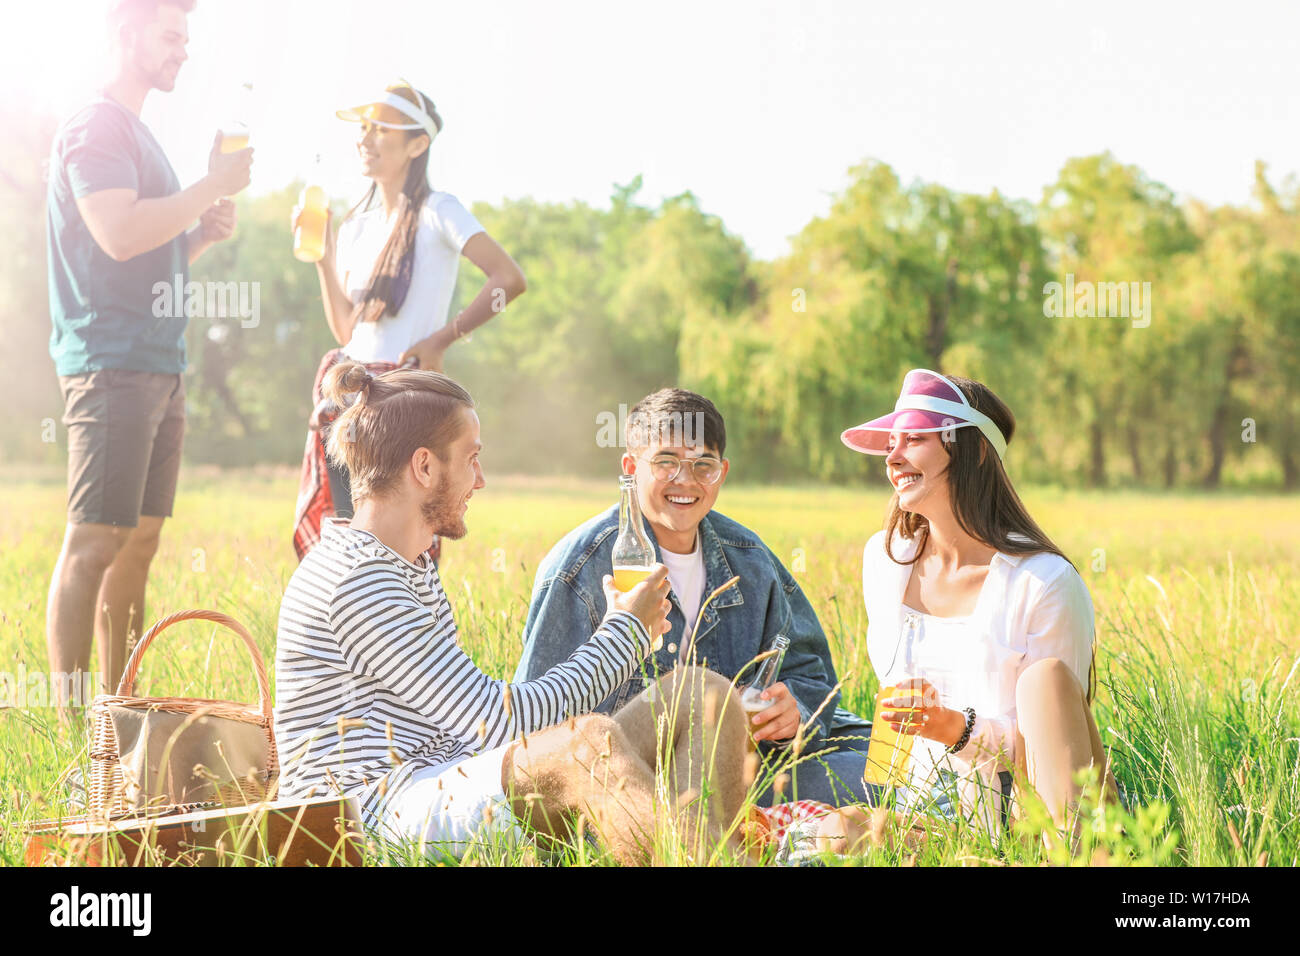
(399, 248)
(388, 279)
(972, 606)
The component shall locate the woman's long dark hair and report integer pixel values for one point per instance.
(984, 502)
(390, 280)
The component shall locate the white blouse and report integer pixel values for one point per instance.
(1030, 607)
(445, 226)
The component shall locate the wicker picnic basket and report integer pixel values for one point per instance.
(178, 754)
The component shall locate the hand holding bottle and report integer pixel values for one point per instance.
(772, 711)
(648, 601)
(780, 718)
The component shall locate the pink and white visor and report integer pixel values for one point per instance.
(927, 403)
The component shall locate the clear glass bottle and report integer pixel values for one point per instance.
(633, 553)
(767, 675)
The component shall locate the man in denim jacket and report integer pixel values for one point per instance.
(675, 444)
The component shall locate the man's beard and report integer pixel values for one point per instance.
(162, 78)
(442, 513)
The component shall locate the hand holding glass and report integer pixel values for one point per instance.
(889, 751)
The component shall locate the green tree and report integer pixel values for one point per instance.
(1106, 223)
(33, 405)
(891, 278)
(610, 294)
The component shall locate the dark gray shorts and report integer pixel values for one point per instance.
(125, 430)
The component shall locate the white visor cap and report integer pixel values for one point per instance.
(419, 118)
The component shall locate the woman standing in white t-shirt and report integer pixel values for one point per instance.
(971, 606)
(387, 281)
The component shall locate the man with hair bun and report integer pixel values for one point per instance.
(375, 697)
(119, 226)
(676, 441)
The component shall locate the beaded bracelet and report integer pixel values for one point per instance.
(964, 739)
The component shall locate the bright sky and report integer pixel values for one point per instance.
(758, 107)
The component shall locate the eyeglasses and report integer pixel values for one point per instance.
(666, 468)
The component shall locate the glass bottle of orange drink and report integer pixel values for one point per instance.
(633, 553)
(313, 220)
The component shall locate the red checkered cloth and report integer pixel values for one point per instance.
(781, 817)
(315, 501)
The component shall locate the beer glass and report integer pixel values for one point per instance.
(234, 137)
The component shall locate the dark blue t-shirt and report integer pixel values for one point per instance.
(104, 311)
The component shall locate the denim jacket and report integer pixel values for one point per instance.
(568, 604)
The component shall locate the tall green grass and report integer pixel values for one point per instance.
(1198, 623)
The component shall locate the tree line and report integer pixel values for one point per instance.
(1138, 339)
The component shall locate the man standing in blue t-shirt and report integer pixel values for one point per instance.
(119, 224)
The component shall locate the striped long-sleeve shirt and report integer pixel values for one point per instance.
(372, 685)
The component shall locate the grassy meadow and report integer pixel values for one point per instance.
(1198, 624)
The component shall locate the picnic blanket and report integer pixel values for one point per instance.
(779, 819)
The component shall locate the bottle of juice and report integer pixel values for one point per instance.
(309, 235)
(633, 552)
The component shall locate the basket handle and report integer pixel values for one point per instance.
(126, 687)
